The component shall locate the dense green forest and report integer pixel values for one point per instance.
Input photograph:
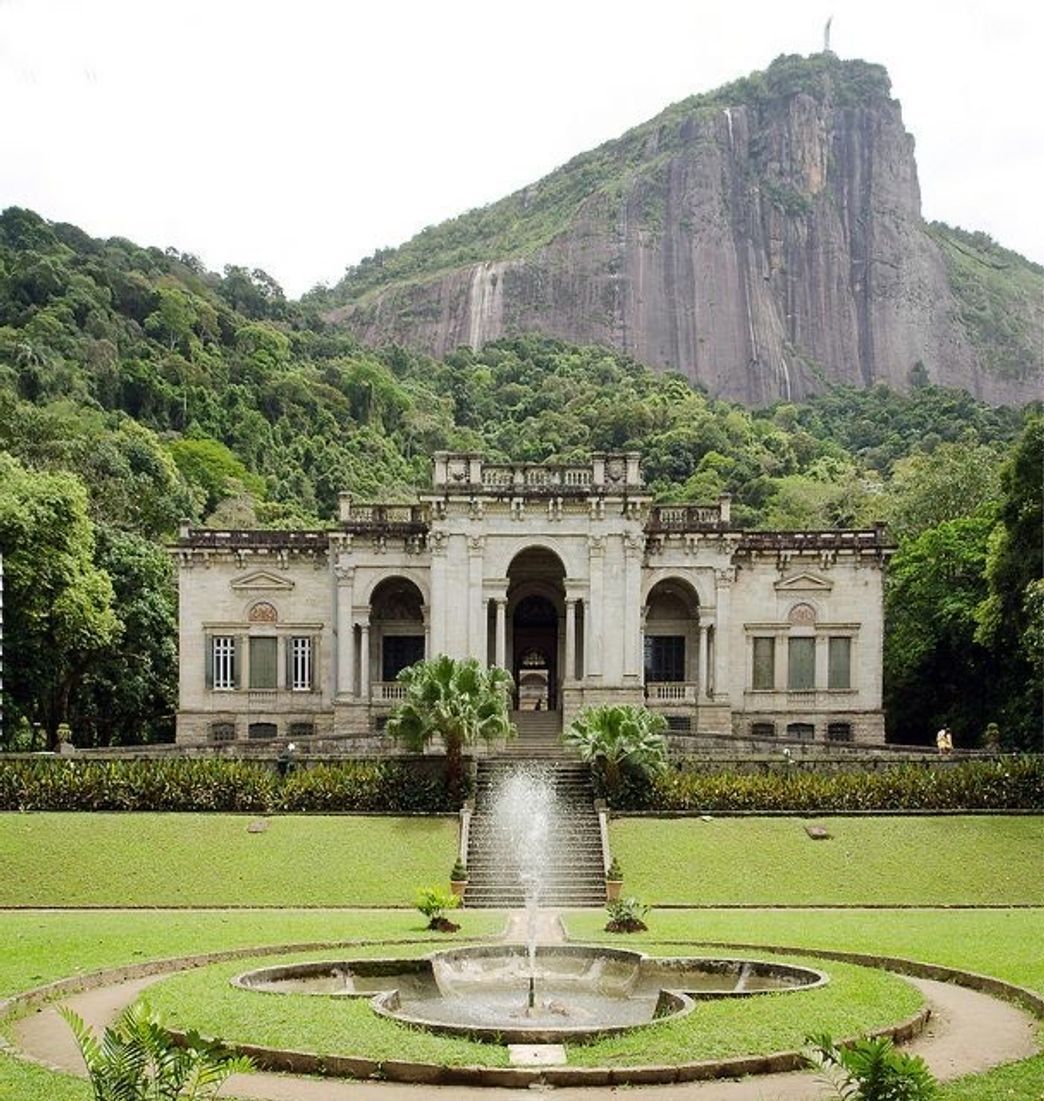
(137, 388)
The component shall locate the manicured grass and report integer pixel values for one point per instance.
(856, 1000)
(1003, 943)
(51, 859)
(945, 860)
(41, 946)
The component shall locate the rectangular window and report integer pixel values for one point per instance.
(664, 658)
(399, 652)
(223, 654)
(301, 664)
(263, 662)
(801, 665)
(764, 673)
(839, 674)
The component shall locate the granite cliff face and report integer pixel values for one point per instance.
(766, 240)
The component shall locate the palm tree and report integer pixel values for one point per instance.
(137, 1059)
(461, 702)
(612, 738)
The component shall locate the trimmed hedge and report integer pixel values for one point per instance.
(1012, 784)
(217, 785)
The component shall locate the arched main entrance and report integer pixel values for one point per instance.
(536, 604)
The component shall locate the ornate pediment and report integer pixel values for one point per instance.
(262, 581)
(804, 583)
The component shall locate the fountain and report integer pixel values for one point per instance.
(524, 819)
(526, 993)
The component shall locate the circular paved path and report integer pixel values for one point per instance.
(968, 1033)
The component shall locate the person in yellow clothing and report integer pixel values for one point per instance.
(944, 740)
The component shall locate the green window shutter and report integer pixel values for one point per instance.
(208, 659)
(840, 662)
(801, 664)
(764, 663)
(237, 661)
(288, 662)
(264, 663)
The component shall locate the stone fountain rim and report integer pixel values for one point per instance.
(678, 1001)
(417, 964)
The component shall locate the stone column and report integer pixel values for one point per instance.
(722, 672)
(593, 614)
(478, 637)
(633, 624)
(426, 618)
(702, 686)
(641, 643)
(345, 675)
(364, 659)
(570, 640)
(500, 643)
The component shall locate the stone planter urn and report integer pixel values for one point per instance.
(613, 881)
(458, 886)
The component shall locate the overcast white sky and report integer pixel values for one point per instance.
(301, 136)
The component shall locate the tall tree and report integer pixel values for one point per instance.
(58, 604)
(1009, 617)
(936, 673)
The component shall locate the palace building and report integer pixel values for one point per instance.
(566, 575)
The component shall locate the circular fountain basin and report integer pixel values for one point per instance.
(578, 992)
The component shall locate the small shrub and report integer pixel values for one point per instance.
(871, 1070)
(625, 916)
(433, 902)
(458, 873)
(614, 871)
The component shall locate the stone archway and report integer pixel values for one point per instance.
(672, 634)
(397, 628)
(536, 606)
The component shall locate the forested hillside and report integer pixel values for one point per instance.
(137, 388)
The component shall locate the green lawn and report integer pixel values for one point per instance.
(210, 860)
(856, 1000)
(930, 861)
(1003, 943)
(39, 946)
(50, 859)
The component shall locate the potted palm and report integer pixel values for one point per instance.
(613, 880)
(458, 878)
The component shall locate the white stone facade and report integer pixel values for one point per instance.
(566, 575)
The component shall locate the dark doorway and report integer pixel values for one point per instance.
(535, 629)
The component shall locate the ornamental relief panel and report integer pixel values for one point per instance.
(262, 612)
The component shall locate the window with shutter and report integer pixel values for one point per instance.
(839, 652)
(764, 671)
(801, 665)
(264, 653)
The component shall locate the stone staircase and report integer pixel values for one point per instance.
(576, 873)
(539, 737)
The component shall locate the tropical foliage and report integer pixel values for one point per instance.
(871, 1070)
(619, 740)
(1011, 784)
(460, 702)
(217, 784)
(137, 1059)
